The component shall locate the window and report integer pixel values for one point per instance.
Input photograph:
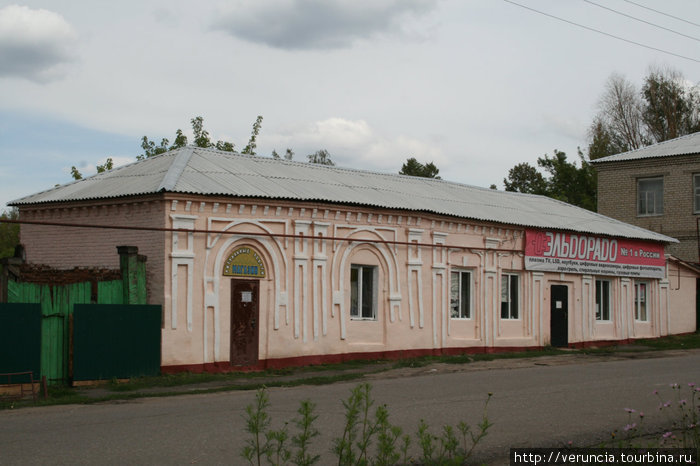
(460, 294)
(509, 296)
(650, 195)
(602, 300)
(363, 292)
(641, 295)
(696, 192)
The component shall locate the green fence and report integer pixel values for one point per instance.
(20, 324)
(56, 310)
(56, 302)
(116, 341)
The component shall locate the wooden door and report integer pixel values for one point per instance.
(244, 322)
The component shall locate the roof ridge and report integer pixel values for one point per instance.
(176, 168)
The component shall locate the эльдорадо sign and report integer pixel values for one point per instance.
(550, 251)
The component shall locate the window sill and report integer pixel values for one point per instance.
(364, 319)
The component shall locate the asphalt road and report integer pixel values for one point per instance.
(536, 406)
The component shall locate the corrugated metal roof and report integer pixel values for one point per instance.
(684, 145)
(209, 172)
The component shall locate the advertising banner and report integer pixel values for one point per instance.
(551, 251)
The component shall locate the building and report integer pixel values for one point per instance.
(657, 188)
(265, 263)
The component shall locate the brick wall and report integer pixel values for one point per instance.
(617, 198)
(68, 247)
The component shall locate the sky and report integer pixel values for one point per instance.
(474, 86)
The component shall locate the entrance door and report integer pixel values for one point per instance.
(244, 322)
(559, 315)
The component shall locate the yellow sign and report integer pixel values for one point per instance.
(244, 262)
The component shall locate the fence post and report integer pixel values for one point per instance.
(128, 263)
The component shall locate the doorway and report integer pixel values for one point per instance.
(245, 316)
(559, 323)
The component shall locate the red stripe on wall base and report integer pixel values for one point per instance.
(280, 363)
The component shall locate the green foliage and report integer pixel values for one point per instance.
(252, 143)
(321, 157)
(278, 453)
(75, 173)
(307, 432)
(353, 447)
(257, 423)
(670, 108)
(9, 233)
(343, 447)
(108, 165)
(288, 155)
(413, 167)
(628, 118)
(524, 178)
(274, 447)
(566, 181)
(201, 139)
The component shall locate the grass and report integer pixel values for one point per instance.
(164, 385)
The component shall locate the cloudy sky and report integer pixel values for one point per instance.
(475, 86)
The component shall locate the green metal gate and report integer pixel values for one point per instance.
(56, 314)
(20, 334)
(116, 341)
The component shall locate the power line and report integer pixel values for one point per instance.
(640, 20)
(602, 32)
(661, 13)
(250, 233)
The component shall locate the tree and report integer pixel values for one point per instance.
(321, 157)
(9, 233)
(413, 167)
(665, 108)
(287, 156)
(569, 183)
(566, 181)
(252, 143)
(620, 113)
(108, 165)
(524, 178)
(670, 108)
(201, 139)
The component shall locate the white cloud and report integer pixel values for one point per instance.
(34, 43)
(319, 24)
(354, 144)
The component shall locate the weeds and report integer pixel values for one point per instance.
(356, 445)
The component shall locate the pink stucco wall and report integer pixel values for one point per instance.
(305, 297)
(304, 300)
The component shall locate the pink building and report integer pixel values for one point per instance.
(259, 262)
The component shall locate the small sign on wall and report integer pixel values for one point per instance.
(246, 296)
(244, 262)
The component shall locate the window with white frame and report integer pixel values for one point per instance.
(641, 301)
(509, 296)
(363, 292)
(696, 192)
(650, 196)
(602, 300)
(461, 294)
